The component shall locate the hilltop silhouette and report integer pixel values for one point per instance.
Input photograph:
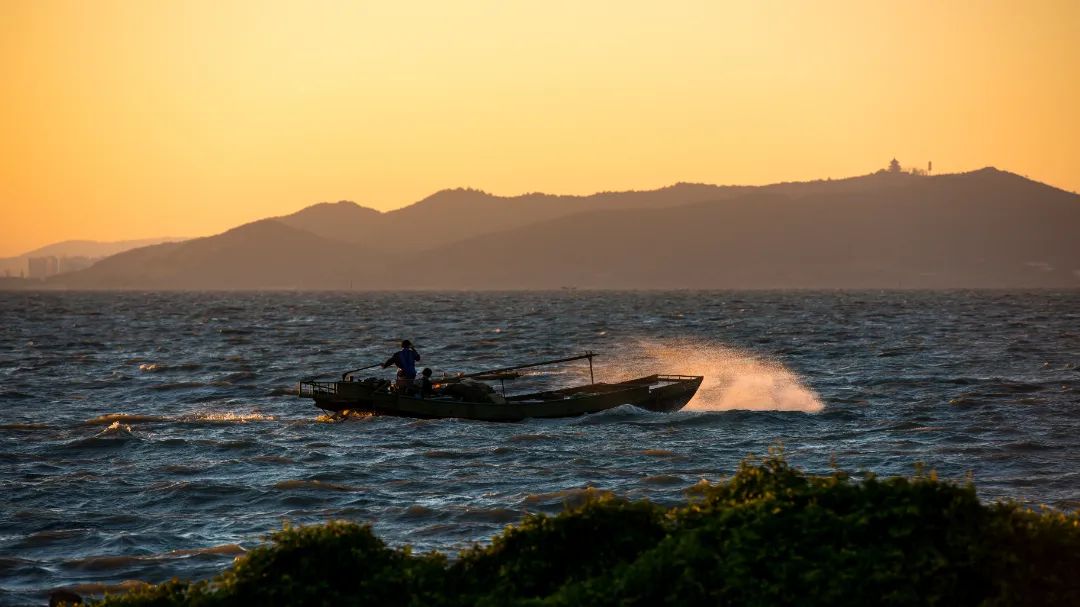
(983, 229)
(265, 254)
(452, 215)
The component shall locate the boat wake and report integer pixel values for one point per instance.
(734, 379)
(615, 414)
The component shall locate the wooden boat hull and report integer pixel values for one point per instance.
(655, 393)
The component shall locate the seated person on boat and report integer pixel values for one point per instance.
(424, 384)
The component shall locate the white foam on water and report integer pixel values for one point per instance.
(116, 428)
(734, 379)
(228, 417)
(224, 417)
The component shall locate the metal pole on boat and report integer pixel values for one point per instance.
(546, 362)
(346, 374)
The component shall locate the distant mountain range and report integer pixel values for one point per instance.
(983, 229)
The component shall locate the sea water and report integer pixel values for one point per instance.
(151, 435)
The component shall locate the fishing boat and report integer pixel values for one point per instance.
(465, 396)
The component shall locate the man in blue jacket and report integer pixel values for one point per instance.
(405, 360)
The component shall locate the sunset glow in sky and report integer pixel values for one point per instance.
(138, 119)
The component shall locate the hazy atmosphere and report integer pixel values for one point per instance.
(127, 120)
(448, 304)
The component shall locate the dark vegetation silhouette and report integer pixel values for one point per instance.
(984, 229)
(770, 535)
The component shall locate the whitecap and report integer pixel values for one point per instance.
(111, 419)
(227, 417)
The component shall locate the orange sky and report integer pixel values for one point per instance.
(135, 119)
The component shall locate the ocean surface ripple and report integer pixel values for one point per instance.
(152, 435)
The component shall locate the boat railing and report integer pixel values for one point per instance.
(330, 389)
(312, 389)
(666, 377)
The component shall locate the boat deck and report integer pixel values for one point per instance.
(460, 398)
(654, 381)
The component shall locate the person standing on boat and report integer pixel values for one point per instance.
(405, 360)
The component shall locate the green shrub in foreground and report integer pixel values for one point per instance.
(770, 535)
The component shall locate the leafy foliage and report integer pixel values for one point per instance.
(770, 535)
(543, 553)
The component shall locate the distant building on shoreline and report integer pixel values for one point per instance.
(40, 268)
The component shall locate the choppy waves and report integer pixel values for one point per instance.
(131, 458)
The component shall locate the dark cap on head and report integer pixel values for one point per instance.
(406, 343)
(426, 372)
